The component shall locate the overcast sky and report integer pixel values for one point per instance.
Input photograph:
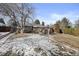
(51, 12)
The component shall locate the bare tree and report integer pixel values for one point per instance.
(25, 11)
(7, 10)
(17, 12)
(65, 23)
(77, 23)
(57, 27)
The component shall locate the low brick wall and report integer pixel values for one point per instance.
(5, 28)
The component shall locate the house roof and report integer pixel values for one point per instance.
(1, 24)
(40, 26)
(34, 25)
(28, 24)
(37, 25)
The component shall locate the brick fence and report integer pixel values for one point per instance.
(5, 29)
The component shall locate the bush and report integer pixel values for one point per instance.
(72, 31)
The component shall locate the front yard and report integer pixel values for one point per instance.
(30, 44)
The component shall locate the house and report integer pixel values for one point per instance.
(28, 27)
(42, 29)
(3, 26)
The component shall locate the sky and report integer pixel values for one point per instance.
(51, 12)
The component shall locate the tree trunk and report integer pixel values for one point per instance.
(21, 28)
(22, 31)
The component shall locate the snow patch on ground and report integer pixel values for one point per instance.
(31, 45)
(3, 33)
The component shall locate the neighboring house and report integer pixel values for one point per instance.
(38, 28)
(34, 28)
(2, 23)
(28, 27)
(42, 29)
(4, 28)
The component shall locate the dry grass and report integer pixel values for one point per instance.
(73, 41)
(72, 31)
